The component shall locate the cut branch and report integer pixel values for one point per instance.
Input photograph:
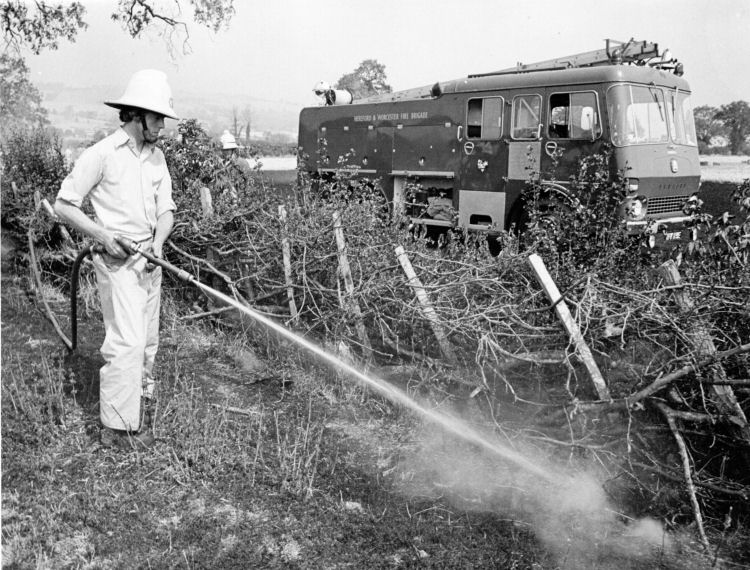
(687, 471)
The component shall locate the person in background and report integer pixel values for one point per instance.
(125, 177)
(235, 168)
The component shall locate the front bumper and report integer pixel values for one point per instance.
(665, 231)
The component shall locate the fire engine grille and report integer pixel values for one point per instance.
(665, 204)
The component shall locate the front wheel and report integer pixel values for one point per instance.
(547, 217)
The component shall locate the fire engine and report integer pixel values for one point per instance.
(469, 145)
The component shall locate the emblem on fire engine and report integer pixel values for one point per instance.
(673, 165)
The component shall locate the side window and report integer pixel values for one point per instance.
(574, 116)
(484, 118)
(527, 115)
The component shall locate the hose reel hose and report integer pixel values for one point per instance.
(96, 248)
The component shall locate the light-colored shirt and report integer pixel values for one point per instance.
(128, 190)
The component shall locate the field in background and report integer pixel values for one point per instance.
(720, 168)
(278, 170)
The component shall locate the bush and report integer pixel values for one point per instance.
(33, 161)
(579, 227)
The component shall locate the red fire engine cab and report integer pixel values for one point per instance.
(470, 145)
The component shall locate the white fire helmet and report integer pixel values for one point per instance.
(147, 89)
(227, 141)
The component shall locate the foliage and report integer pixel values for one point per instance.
(47, 23)
(367, 79)
(269, 148)
(707, 126)
(20, 101)
(731, 121)
(192, 156)
(724, 249)
(42, 28)
(579, 227)
(33, 161)
(136, 16)
(195, 162)
(735, 117)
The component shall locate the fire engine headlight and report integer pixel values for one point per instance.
(633, 208)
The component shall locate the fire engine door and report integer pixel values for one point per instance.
(572, 129)
(524, 145)
(484, 164)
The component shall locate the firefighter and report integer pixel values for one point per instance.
(235, 167)
(126, 179)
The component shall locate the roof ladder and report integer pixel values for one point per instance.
(615, 52)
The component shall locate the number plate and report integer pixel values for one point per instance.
(671, 236)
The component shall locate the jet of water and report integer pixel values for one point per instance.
(393, 393)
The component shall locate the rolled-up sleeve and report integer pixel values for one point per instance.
(164, 201)
(86, 174)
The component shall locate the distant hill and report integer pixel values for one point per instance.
(80, 110)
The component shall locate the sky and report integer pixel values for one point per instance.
(279, 49)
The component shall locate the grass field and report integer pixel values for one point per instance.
(719, 177)
(717, 168)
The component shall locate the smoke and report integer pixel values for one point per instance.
(568, 510)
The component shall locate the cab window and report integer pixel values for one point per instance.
(574, 116)
(681, 116)
(484, 118)
(526, 117)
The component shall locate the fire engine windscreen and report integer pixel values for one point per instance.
(647, 115)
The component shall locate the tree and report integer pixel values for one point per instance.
(367, 79)
(20, 100)
(247, 116)
(41, 28)
(707, 126)
(736, 119)
(43, 24)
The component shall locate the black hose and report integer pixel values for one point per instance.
(74, 292)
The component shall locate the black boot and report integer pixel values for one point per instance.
(119, 439)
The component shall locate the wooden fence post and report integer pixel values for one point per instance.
(346, 274)
(43, 204)
(207, 203)
(427, 309)
(286, 252)
(563, 313)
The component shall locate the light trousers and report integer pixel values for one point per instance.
(130, 296)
